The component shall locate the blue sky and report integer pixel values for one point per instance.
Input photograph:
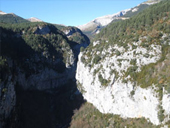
(67, 12)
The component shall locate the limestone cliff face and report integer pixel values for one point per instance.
(42, 80)
(102, 83)
(8, 99)
(125, 71)
(46, 78)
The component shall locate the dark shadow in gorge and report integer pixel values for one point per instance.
(47, 109)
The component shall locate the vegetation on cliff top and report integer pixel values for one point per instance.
(149, 27)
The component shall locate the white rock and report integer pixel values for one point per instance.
(33, 19)
(116, 98)
(2, 13)
(135, 9)
(102, 21)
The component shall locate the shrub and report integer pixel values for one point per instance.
(117, 53)
(81, 49)
(146, 55)
(132, 93)
(83, 60)
(102, 80)
(168, 89)
(161, 113)
(96, 59)
(133, 62)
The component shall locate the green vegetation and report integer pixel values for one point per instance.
(147, 20)
(117, 53)
(34, 43)
(133, 62)
(155, 73)
(96, 59)
(91, 33)
(3, 68)
(4, 90)
(89, 117)
(2, 62)
(81, 49)
(140, 8)
(30, 49)
(80, 87)
(103, 81)
(12, 18)
(132, 93)
(74, 34)
(161, 113)
(148, 27)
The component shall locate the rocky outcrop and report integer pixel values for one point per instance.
(46, 79)
(42, 30)
(102, 83)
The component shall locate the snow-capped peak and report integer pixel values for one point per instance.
(33, 19)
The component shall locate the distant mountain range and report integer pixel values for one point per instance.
(93, 27)
(13, 18)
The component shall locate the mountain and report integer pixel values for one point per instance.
(94, 27)
(33, 19)
(38, 63)
(53, 77)
(2, 13)
(11, 18)
(152, 2)
(124, 72)
(102, 21)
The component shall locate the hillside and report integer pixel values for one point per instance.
(37, 60)
(11, 18)
(94, 27)
(125, 71)
(52, 76)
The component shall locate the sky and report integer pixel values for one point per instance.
(66, 12)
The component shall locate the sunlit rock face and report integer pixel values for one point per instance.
(118, 97)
